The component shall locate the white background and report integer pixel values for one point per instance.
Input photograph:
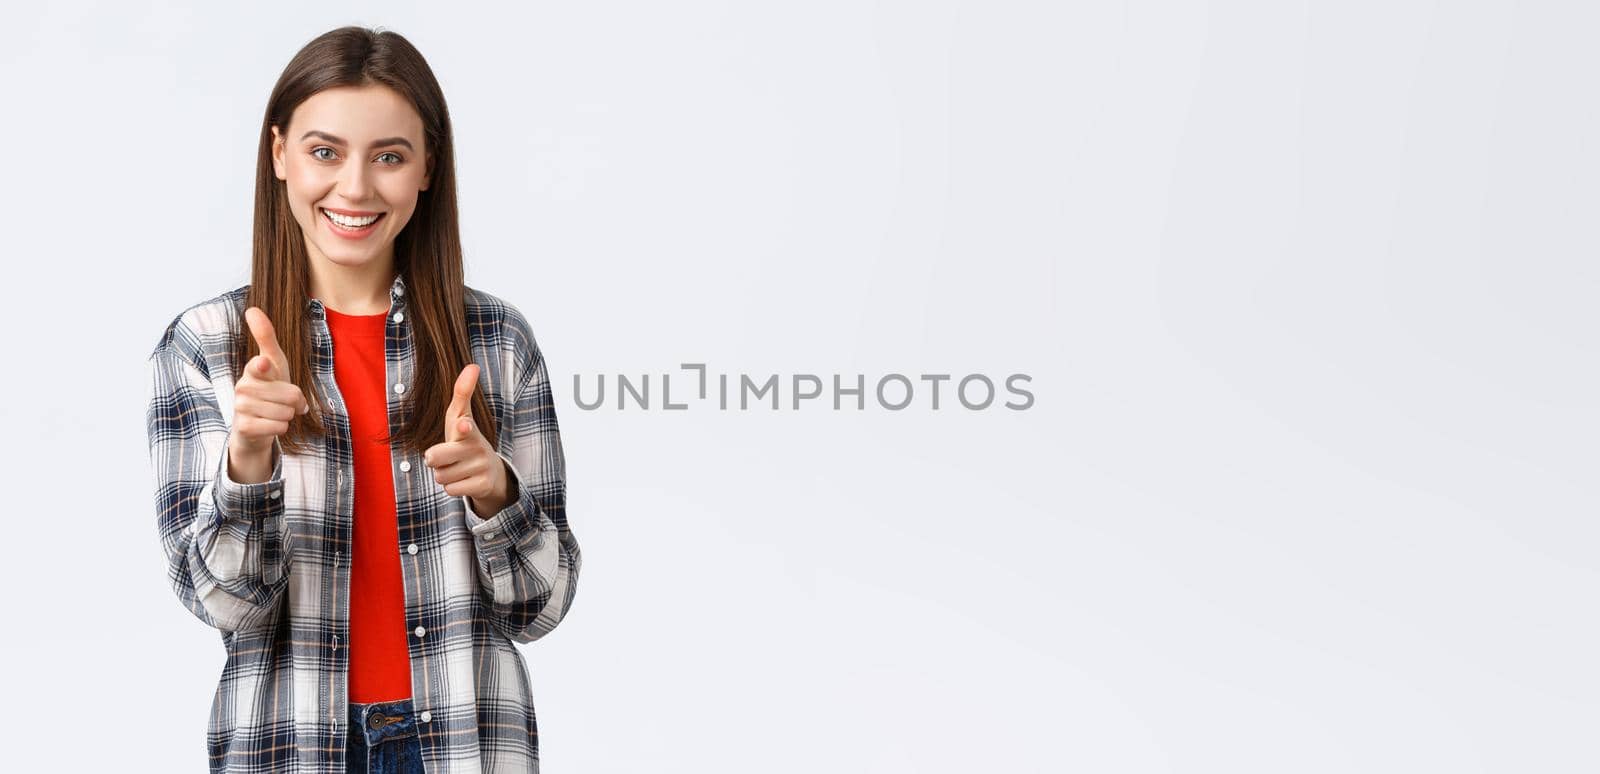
(1306, 291)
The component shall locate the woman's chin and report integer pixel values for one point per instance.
(343, 255)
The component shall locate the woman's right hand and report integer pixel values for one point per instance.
(264, 400)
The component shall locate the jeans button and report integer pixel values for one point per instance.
(375, 720)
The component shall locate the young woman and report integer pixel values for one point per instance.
(360, 480)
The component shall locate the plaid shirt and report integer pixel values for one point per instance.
(268, 564)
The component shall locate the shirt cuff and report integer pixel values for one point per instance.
(249, 501)
(516, 524)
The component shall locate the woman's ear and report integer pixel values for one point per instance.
(277, 155)
(427, 175)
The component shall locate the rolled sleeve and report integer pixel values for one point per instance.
(250, 502)
(223, 540)
(520, 524)
(528, 558)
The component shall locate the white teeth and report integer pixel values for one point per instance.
(349, 221)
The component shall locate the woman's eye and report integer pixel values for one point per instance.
(324, 153)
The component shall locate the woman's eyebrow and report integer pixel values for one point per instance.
(376, 144)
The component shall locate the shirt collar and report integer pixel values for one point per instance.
(396, 290)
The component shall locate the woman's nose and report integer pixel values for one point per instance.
(353, 182)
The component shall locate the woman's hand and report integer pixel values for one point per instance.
(264, 400)
(465, 464)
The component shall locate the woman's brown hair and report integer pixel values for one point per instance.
(427, 251)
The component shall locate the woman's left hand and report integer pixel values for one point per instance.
(465, 464)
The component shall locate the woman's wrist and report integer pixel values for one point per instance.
(249, 466)
(505, 494)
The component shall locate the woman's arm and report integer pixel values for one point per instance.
(222, 538)
(528, 558)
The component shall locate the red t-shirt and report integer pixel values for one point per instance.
(380, 661)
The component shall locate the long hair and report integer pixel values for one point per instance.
(427, 251)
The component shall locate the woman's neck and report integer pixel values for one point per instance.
(353, 290)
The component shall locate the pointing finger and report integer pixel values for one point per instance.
(460, 402)
(271, 364)
(267, 339)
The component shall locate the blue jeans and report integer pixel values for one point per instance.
(383, 739)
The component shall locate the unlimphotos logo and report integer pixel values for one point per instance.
(893, 391)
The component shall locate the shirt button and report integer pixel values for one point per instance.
(405, 466)
(274, 494)
(399, 290)
(426, 716)
(421, 631)
(489, 535)
(411, 549)
(399, 386)
(399, 316)
(341, 478)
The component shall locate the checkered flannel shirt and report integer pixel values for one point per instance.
(268, 564)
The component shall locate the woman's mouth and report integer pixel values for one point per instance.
(351, 227)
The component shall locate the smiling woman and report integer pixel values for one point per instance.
(360, 480)
(351, 195)
(342, 184)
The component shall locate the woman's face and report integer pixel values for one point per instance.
(352, 153)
